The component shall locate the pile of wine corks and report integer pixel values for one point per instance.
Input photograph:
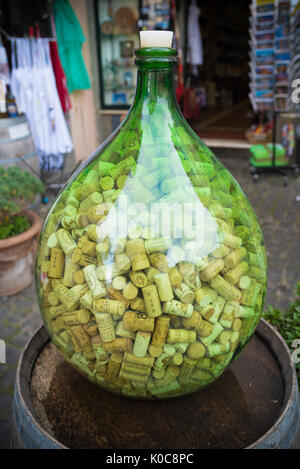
(122, 310)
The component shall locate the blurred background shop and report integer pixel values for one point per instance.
(238, 62)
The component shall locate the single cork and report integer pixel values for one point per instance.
(141, 343)
(130, 291)
(175, 276)
(119, 282)
(55, 311)
(138, 322)
(177, 308)
(160, 333)
(80, 339)
(122, 332)
(164, 286)
(79, 277)
(79, 290)
(66, 296)
(157, 245)
(138, 304)
(140, 262)
(154, 350)
(176, 359)
(184, 293)
(139, 279)
(75, 318)
(120, 344)
(212, 270)
(76, 256)
(151, 272)
(244, 282)
(159, 261)
(91, 328)
(181, 335)
(123, 262)
(106, 326)
(156, 38)
(233, 275)
(194, 321)
(204, 328)
(205, 296)
(225, 289)
(53, 299)
(234, 258)
(96, 286)
(57, 261)
(114, 365)
(196, 350)
(250, 296)
(134, 247)
(152, 302)
(86, 246)
(216, 331)
(93, 199)
(109, 306)
(70, 269)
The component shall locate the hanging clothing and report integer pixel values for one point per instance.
(195, 48)
(33, 85)
(60, 78)
(70, 39)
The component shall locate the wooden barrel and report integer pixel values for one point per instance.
(254, 404)
(16, 144)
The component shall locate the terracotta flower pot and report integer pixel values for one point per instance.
(16, 257)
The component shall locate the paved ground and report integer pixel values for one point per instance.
(279, 216)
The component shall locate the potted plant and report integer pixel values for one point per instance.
(19, 228)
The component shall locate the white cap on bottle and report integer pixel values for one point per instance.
(156, 38)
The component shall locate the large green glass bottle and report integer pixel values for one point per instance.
(151, 270)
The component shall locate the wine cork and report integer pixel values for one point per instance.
(52, 241)
(221, 251)
(157, 245)
(57, 260)
(109, 306)
(104, 167)
(123, 167)
(205, 295)
(217, 349)
(151, 272)
(117, 295)
(176, 359)
(257, 273)
(228, 313)
(216, 331)
(140, 262)
(86, 300)
(79, 290)
(178, 309)
(93, 199)
(225, 289)
(53, 299)
(66, 296)
(106, 326)
(70, 269)
(106, 183)
(186, 369)
(64, 343)
(120, 344)
(130, 291)
(45, 266)
(184, 293)
(84, 190)
(212, 270)
(58, 325)
(77, 233)
(71, 200)
(224, 337)
(96, 213)
(152, 301)
(86, 246)
(138, 322)
(159, 261)
(75, 221)
(158, 374)
(79, 277)
(119, 282)
(134, 247)
(138, 304)
(164, 287)
(196, 350)
(213, 311)
(141, 343)
(181, 335)
(204, 328)
(80, 339)
(114, 365)
(193, 321)
(86, 260)
(236, 325)
(139, 279)
(244, 282)
(202, 263)
(91, 328)
(244, 312)
(76, 255)
(234, 258)
(55, 311)
(233, 275)
(154, 350)
(123, 262)
(175, 276)
(80, 316)
(121, 181)
(160, 333)
(250, 296)
(230, 240)
(186, 268)
(193, 281)
(122, 332)
(111, 196)
(96, 286)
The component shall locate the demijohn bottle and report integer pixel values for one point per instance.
(151, 269)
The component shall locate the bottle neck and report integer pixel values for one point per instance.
(156, 78)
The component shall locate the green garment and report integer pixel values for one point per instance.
(70, 39)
